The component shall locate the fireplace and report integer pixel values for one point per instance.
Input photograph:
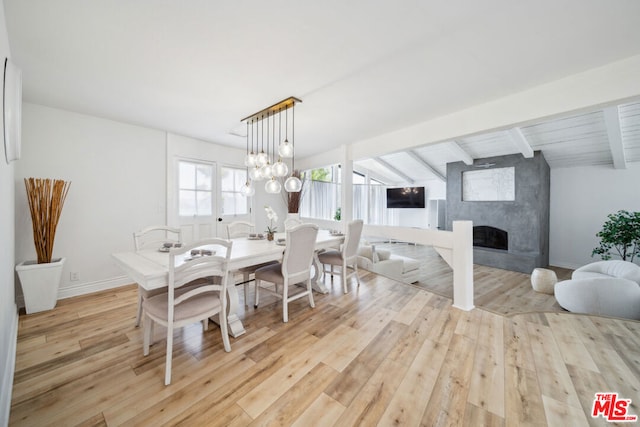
(486, 236)
(512, 233)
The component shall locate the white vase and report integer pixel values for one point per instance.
(40, 283)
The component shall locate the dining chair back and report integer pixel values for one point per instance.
(239, 229)
(294, 268)
(206, 261)
(153, 238)
(292, 222)
(347, 257)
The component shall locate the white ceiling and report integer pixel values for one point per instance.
(609, 136)
(361, 67)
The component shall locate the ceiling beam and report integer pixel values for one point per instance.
(612, 122)
(459, 152)
(415, 156)
(398, 172)
(373, 175)
(520, 141)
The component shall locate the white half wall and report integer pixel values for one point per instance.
(118, 175)
(581, 199)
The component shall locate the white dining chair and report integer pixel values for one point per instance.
(347, 257)
(239, 229)
(292, 222)
(182, 305)
(294, 268)
(153, 238)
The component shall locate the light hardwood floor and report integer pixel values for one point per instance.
(384, 354)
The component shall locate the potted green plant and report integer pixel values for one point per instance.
(620, 233)
(40, 279)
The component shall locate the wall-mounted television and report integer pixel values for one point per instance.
(405, 197)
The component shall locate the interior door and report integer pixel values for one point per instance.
(232, 205)
(195, 199)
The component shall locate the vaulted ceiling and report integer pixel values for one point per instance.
(609, 136)
(362, 67)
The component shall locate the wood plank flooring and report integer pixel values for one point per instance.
(384, 354)
(496, 290)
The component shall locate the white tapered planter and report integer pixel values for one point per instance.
(40, 283)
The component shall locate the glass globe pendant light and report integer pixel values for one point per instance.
(272, 186)
(247, 189)
(266, 170)
(280, 168)
(250, 158)
(285, 149)
(255, 173)
(267, 164)
(293, 183)
(262, 158)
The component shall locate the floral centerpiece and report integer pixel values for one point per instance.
(271, 216)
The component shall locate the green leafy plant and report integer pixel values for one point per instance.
(338, 214)
(621, 232)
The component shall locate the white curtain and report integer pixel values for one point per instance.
(321, 200)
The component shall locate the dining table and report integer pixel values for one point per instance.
(149, 268)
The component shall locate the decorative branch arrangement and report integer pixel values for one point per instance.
(293, 199)
(46, 198)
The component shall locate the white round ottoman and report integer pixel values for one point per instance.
(543, 280)
(608, 297)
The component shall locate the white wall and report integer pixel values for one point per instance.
(581, 199)
(434, 189)
(8, 312)
(118, 175)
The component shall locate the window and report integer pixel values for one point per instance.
(233, 202)
(196, 189)
(322, 193)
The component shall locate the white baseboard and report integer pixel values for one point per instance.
(562, 264)
(84, 288)
(8, 370)
(90, 287)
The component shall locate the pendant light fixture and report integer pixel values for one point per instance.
(264, 165)
(293, 183)
(286, 149)
(247, 189)
(261, 159)
(280, 168)
(266, 168)
(272, 186)
(250, 158)
(255, 172)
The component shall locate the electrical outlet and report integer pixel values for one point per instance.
(74, 276)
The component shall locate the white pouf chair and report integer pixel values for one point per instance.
(610, 288)
(607, 269)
